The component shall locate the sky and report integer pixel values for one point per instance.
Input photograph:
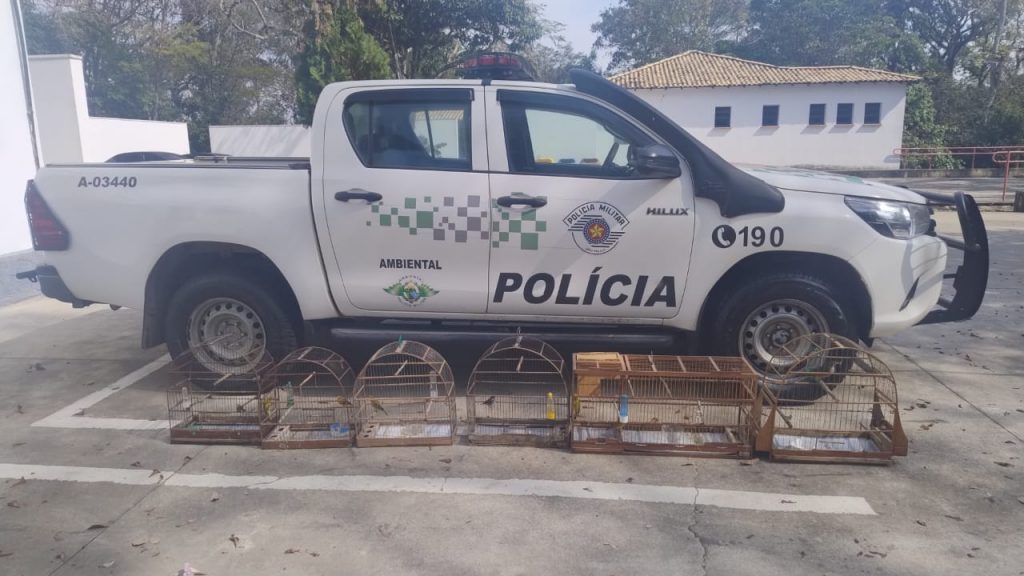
(577, 16)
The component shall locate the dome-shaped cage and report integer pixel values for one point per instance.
(688, 405)
(405, 396)
(205, 406)
(830, 400)
(308, 401)
(517, 394)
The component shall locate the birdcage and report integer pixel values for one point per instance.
(405, 396)
(698, 406)
(309, 401)
(828, 399)
(212, 401)
(517, 395)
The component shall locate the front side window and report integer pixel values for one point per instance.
(770, 115)
(844, 114)
(574, 139)
(414, 135)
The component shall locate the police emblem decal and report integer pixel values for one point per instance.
(596, 226)
(411, 290)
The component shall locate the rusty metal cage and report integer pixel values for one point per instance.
(309, 401)
(405, 396)
(215, 403)
(517, 395)
(829, 400)
(699, 406)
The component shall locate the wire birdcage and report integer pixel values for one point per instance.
(405, 396)
(517, 395)
(217, 403)
(829, 400)
(309, 401)
(686, 405)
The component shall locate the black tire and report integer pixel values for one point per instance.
(736, 308)
(277, 328)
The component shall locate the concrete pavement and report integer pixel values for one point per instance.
(128, 502)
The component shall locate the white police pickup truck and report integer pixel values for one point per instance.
(472, 207)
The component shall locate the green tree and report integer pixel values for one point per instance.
(642, 31)
(921, 129)
(424, 37)
(829, 32)
(335, 48)
(553, 57)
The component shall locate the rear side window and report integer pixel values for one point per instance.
(420, 135)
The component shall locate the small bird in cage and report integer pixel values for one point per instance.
(268, 406)
(378, 406)
(342, 401)
(488, 402)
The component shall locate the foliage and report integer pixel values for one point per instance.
(553, 57)
(642, 31)
(336, 48)
(424, 37)
(921, 130)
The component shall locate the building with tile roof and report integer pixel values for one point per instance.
(757, 113)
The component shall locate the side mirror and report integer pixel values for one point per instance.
(654, 161)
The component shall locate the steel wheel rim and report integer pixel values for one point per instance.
(774, 324)
(226, 336)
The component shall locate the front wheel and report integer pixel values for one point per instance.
(229, 322)
(758, 318)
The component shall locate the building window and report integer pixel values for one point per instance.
(873, 113)
(723, 116)
(770, 115)
(816, 117)
(844, 114)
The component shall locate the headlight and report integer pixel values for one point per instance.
(892, 219)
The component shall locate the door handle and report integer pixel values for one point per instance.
(357, 194)
(509, 201)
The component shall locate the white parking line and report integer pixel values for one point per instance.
(66, 417)
(732, 499)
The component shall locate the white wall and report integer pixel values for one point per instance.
(793, 142)
(253, 140)
(67, 134)
(16, 159)
(105, 137)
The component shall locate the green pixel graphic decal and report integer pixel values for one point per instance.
(443, 220)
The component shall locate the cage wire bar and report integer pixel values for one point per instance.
(405, 396)
(517, 395)
(207, 406)
(829, 400)
(308, 401)
(673, 405)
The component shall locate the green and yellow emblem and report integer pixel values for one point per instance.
(411, 290)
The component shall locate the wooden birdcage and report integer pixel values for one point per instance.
(215, 403)
(405, 396)
(698, 406)
(517, 395)
(309, 401)
(829, 400)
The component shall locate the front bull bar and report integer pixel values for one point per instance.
(971, 277)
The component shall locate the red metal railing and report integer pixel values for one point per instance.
(1008, 158)
(973, 152)
(1005, 156)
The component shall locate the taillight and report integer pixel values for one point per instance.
(47, 231)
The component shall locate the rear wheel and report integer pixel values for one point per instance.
(758, 319)
(228, 321)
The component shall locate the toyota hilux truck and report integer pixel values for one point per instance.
(475, 207)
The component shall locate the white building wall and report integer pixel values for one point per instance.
(68, 135)
(793, 142)
(255, 140)
(17, 163)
